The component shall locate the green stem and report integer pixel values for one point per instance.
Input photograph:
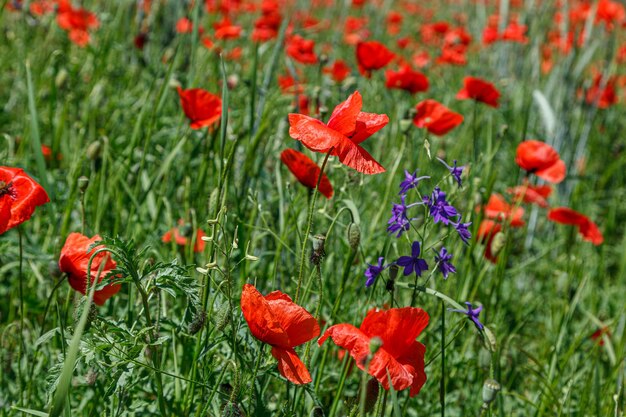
(342, 381)
(21, 290)
(309, 222)
(442, 384)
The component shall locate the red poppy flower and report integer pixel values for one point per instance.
(515, 32)
(74, 261)
(532, 194)
(498, 209)
(436, 117)
(479, 90)
(347, 127)
(487, 232)
(266, 27)
(338, 71)
(603, 98)
(19, 195)
(182, 233)
(76, 21)
(301, 49)
(306, 171)
(540, 159)
(201, 107)
(400, 355)
(282, 324)
(184, 25)
(406, 79)
(586, 227)
(453, 54)
(372, 55)
(225, 29)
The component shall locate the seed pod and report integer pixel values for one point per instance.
(198, 322)
(222, 318)
(490, 390)
(354, 236)
(83, 183)
(318, 252)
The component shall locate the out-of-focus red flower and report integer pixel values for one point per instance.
(531, 194)
(487, 232)
(306, 171)
(266, 27)
(515, 32)
(347, 127)
(19, 196)
(406, 79)
(76, 21)
(586, 227)
(394, 22)
(479, 90)
(498, 209)
(182, 234)
(399, 359)
(41, 7)
(355, 30)
(540, 159)
(201, 107)
(436, 117)
(225, 29)
(338, 71)
(598, 335)
(74, 261)
(611, 13)
(140, 40)
(276, 320)
(289, 85)
(372, 55)
(184, 25)
(603, 98)
(421, 59)
(302, 50)
(453, 54)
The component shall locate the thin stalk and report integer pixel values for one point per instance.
(442, 384)
(21, 290)
(308, 225)
(342, 381)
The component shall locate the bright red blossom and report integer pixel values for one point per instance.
(306, 171)
(347, 127)
(586, 227)
(338, 71)
(201, 107)
(19, 195)
(498, 209)
(540, 159)
(436, 117)
(406, 79)
(532, 194)
(372, 55)
(74, 261)
(276, 320)
(301, 49)
(400, 355)
(479, 90)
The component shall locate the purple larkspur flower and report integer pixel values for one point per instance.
(463, 231)
(443, 262)
(410, 181)
(413, 263)
(455, 171)
(472, 314)
(373, 271)
(399, 222)
(439, 208)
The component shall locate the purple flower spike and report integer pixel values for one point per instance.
(410, 181)
(443, 263)
(413, 263)
(439, 208)
(454, 170)
(472, 314)
(463, 231)
(373, 271)
(399, 222)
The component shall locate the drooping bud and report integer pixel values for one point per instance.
(318, 249)
(198, 322)
(490, 391)
(393, 273)
(354, 236)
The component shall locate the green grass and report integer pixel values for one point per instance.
(113, 113)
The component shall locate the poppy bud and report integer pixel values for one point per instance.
(94, 150)
(83, 183)
(323, 58)
(490, 390)
(375, 344)
(198, 322)
(371, 394)
(354, 236)
(318, 249)
(317, 411)
(497, 243)
(222, 318)
(232, 81)
(393, 273)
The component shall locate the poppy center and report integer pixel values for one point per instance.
(5, 188)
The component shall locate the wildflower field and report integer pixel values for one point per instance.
(312, 208)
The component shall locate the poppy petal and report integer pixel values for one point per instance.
(356, 157)
(313, 134)
(260, 317)
(291, 366)
(306, 171)
(382, 363)
(367, 124)
(413, 362)
(555, 173)
(344, 116)
(298, 324)
(350, 338)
